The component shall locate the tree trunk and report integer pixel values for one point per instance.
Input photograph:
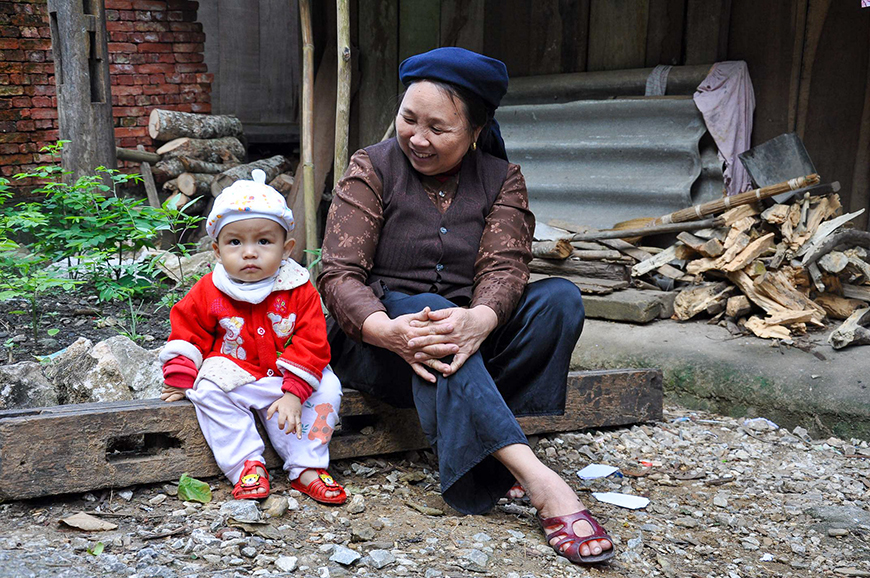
(198, 166)
(210, 150)
(166, 125)
(195, 184)
(273, 167)
(167, 169)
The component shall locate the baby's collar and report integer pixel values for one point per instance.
(290, 276)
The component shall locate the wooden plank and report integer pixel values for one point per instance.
(462, 24)
(573, 266)
(239, 60)
(706, 30)
(78, 448)
(545, 38)
(587, 285)
(575, 34)
(419, 26)
(507, 34)
(664, 37)
(617, 34)
(280, 66)
(379, 63)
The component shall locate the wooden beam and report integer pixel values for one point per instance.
(79, 448)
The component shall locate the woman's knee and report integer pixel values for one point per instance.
(560, 297)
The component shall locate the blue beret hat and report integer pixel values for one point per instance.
(486, 77)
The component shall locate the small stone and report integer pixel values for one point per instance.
(287, 563)
(474, 560)
(357, 504)
(126, 495)
(381, 558)
(837, 532)
(720, 501)
(241, 510)
(362, 533)
(157, 500)
(275, 506)
(344, 556)
(249, 551)
(481, 537)
(433, 573)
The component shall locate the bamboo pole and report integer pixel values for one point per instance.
(647, 231)
(722, 205)
(342, 96)
(308, 130)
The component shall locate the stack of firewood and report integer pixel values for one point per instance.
(775, 272)
(203, 154)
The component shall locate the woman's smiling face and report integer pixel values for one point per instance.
(432, 129)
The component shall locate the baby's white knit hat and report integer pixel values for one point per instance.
(248, 200)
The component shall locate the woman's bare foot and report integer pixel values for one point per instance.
(549, 494)
(552, 497)
(309, 476)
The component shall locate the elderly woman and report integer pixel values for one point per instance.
(425, 271)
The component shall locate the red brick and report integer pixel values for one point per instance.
(11, 90)
(36, 56)
(143, 16)
(21, 102)
(119, 26)
(165, 58)
(206, 78)
(189, 57)
(10, 114)
(121, 69)
(9, 149)
(9, 43)
(121, 132)
(148, 27)
(125, 79)
(9, 32)
(119, 5)
(40, 89)
(155, 47)
(41, 102)
(126, 15)
(126, 90)
(116, 37)
(41, 113)
(122, 47)
(141, 79)
(12, 55)
(149, 5)
(35, 45)
(46, 123)
(185, 27)
(156, 69)
(17, 159)
(161, 89)
(128, 111)
(156, 79)
(185, 47)
(9, 134)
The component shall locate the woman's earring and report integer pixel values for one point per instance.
(474, 146)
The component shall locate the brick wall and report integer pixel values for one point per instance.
(155, 60)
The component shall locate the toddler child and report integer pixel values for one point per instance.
(251, 336)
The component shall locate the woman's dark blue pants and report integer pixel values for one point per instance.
(520, 369)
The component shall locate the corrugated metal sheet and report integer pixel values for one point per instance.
(599, 162)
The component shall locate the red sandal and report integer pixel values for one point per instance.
(565, 532)
(250, 481)
(516, 487)
(319, 486)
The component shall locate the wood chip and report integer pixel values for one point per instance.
(88, 523)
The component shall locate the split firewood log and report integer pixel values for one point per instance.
(170, 187)
(751, 252)
(765, 331)
(834, 262)
(776, 214)
(198, 166)
(195, 184)
(558, 249)
(856, 292)
(211, 150)
(838, 307)
(738, 306)
(696, 299)
(283, 183)
(272, 166)
(853, 331)
(166, 125)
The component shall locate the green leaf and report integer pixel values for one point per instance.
(53, 332)
(193, 490)
(97, 549)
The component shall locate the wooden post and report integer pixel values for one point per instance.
(84, 97)
(308, 129)
(342, 97)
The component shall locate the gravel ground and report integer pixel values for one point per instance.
(730, 498)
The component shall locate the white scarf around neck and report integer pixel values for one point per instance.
(254, 292)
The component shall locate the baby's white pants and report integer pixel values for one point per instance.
(228, 425)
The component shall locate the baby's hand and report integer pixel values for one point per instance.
(170, 393)
(289, 410)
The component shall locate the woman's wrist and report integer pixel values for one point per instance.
(375, 327)
(485, 317)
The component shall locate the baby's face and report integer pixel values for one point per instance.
(252, 249)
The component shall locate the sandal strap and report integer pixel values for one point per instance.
(567, 528)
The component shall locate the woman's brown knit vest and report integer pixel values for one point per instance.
(419, 249)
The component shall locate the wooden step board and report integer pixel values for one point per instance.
(78, 448)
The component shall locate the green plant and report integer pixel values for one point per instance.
(91, 227)
(130, 329)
